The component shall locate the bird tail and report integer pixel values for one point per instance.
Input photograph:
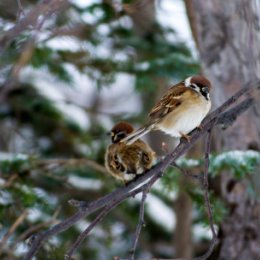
(131, 138)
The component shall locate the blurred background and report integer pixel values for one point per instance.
(69, 70)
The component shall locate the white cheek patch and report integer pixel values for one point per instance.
(187, 82)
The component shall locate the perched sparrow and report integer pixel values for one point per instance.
(179, 111)
(125, 162)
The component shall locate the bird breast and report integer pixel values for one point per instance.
(184, 118)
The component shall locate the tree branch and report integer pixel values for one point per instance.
(206, 185)
(12, 229)
(85, 233)
(33, 20)
(45, 9)
(141, 222)
(79, 161)
(217, 117)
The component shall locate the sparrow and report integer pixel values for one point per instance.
(126, 162)
(179, 111)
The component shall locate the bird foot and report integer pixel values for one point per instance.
(185, 137)
(164, 148)
(200, 127)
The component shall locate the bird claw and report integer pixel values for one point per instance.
(186, 137)
(200, 127)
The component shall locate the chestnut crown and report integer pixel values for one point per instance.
(120, 131)
(199, 84)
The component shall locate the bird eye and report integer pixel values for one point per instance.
(193, 86)
(121, 135)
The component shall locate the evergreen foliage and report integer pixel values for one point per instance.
(100, 43)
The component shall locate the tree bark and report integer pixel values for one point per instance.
(228, 35)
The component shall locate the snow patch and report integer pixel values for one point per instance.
(83, 183)
(160, 213)
(240, 156)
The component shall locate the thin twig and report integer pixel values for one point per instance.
(25, 56)
(85, 233)
(12, 229)
(37, 227)
(205, 256)
(20, 12)
(44, 8)
(100, 217)
(185, 172)
(206, 185)
(83, 161)
(140, 224)
(9, 182)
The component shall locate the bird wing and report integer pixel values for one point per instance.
(113, 161)
(172, 99)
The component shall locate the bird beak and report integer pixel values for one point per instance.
(205, 90)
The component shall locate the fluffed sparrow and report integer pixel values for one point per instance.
(125, 162)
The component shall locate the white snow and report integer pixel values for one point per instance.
(240, 156)
(173, 14)
(188, 162)
(200, 231)
(83, 183)
(12, 156)
(160, 213)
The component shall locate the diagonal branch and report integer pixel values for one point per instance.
(85, 233)
(12, 229)
(34, 21)
(44, 8)
(217, 117)
(185, 172)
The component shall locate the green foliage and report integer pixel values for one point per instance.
(15, 165)
(219, 209)
(240, 163)
(100, 44)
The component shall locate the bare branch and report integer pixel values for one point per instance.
(185, 172)
(12, 229)
(217, 117)
(34, 20)
(45, 9)
(213, 243)
(141, 222)
(20, 12)
(27, 233)
(79, 161)
(206, 185)
(85, 233)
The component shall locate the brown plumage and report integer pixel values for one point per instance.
(179, 111)
(125, 162)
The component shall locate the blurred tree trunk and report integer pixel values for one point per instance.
(183, 211)
(143, 16)
(227, 34)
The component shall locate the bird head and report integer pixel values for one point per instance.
(120, 131)
(199, 84)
